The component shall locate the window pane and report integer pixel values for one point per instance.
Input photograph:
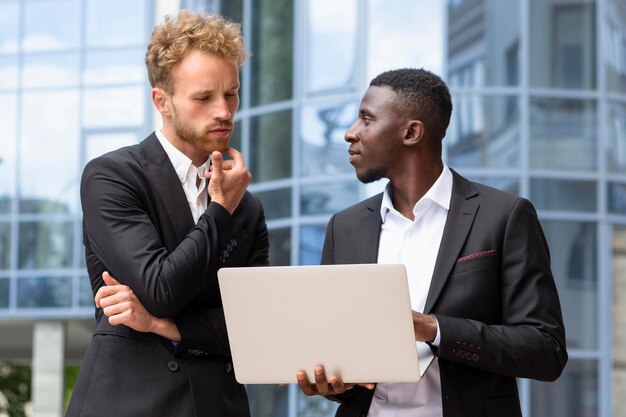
(45, 245)
(268, 400)
(85, 298)
(101, 143)
(232, 9)
(566, 195)
(315, 406)
(280, 247)
(573, 248)
(510, 185)
(615, 45)
(5, 246)
(8, 157)
(51, 25)
(328, 198)
(44, 292)
(270, 146)
(331, 56)
(404, 35)
(574, 394)
(4, 293)
(116, 22)
(562, 43)
(113, 107)
(50, 70)
(49, 149)
(617, 198)
(9, 26)
(484, 44)
(563, 134)
(114, 67)
(324, 150)
(8, 71)
(276, 203)
(484, 132)
(272, 43)
(616, 138)
(311, 243)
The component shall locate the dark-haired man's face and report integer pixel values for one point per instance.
(376, 136)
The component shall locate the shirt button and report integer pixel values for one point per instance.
(172, 366)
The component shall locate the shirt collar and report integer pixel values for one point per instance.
(181, 162)
(440, 193)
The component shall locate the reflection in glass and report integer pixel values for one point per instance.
(574, 394)
(101, 143)
(563, 134)
(549, 194)
(484, 132)
(116, 22)
(311, 243)
(268, 400)
(276, 203)
(484, 43)
(272, 43)
(510, 185)
(614, 48)
(48, 177)
(323, 148)
(8, 71)
(114, 107)
(8, 121)
(114, 67)
(328, 198)
(50, 70)
(270, 146)
(562, 43)
(617, 198)
(616, 138)
(5, 245)
(401, 34)
(44, 292)
(280, 247)
(51, 25)
(9, 26)
(45, 245)
(573, 247)
(4, 292)
(331, 57)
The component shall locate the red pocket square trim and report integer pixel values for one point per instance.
(476, 255)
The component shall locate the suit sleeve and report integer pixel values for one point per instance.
(122, 235)
(204, 330)
(529, 340)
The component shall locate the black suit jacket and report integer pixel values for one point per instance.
(138, 226)
(492, 292)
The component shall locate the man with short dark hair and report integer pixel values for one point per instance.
(486, 309)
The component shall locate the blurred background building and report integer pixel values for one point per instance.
(539, 90)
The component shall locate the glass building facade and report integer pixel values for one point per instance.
(539, 90)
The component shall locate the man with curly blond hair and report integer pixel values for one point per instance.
(162, 217)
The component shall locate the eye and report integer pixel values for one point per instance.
(231, 94)
(202, 98)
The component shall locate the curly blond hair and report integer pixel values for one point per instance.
(178, 35)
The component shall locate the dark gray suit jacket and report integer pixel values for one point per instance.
(138, 226)
(492, 293)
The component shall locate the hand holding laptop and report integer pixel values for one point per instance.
(323, 385)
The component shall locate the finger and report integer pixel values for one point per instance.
(236, 155)
(226, 165)
(368, 385)
(108, 279)
(320, 380)
(304, 384)
(337, 384)
(217, 160)
(104, 292)
(115, 309)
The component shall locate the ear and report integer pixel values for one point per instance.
(162, 101)
(414, 132)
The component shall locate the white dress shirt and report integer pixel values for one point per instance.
(414, 243)
(191, 178)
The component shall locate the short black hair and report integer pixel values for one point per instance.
(421, 94)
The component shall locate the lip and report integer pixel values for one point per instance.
(353, 155)
(220, 132)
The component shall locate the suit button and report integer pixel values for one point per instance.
(172, 366)
(233, 242)
(229, 247)
(455, 352)
(475, 357)
(222, 260)
(225, 254)
(462, 354)
(229, 367)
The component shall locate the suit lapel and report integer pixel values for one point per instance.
(161, 173)
(369, 231)
(463, 209)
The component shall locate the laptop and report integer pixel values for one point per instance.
(355, 320)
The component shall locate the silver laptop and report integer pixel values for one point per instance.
(353, 319)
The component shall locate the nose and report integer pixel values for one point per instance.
(221, 111)
(351, 135)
